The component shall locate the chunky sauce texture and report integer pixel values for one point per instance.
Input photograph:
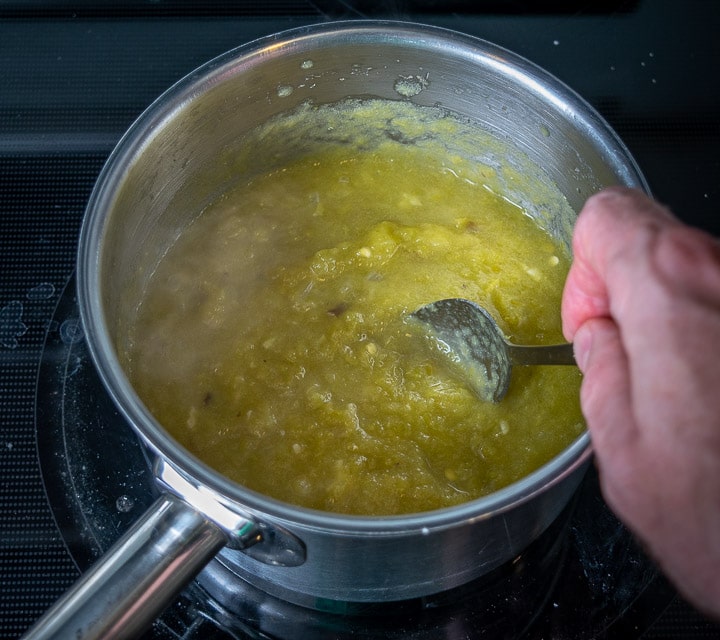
(273, 343)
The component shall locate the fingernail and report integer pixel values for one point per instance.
(582, 344)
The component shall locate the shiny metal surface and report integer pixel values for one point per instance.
(475, 348)
(271, 545)
(137, 578)
(170, 164)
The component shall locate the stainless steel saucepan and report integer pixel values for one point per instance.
(161, 174)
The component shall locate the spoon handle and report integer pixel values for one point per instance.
(541, 354)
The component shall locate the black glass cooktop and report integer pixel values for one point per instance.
(73, 76)
(582, 576)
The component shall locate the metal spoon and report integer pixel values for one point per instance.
(476, 348)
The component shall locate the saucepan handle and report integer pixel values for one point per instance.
(137, 578)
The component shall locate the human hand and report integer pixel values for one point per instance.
(642, 306)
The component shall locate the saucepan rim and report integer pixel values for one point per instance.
(141, 134)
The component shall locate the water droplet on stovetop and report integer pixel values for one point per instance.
(71, 331)
(11, 325)
(124, 504)
(43, 291)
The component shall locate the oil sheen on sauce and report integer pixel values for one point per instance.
(272, 340)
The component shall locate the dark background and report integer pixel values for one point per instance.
(74, 75)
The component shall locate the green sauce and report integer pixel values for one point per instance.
(272, 343)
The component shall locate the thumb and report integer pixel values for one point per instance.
(605, 395)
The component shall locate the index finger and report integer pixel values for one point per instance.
(616, 226)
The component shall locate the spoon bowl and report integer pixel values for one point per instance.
(476, 349)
